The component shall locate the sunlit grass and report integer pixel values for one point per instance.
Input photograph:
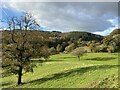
(66, 71)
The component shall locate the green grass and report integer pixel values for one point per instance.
(94, 70)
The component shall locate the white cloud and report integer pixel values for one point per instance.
(105, 32)
(71, 16)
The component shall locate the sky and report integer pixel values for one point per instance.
(95, 17)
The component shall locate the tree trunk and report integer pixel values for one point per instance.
(20, 75)
(79, 58)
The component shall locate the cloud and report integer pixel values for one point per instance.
(72, 16)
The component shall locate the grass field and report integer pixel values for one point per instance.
(94, 70)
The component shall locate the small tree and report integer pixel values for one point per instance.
(80, 51)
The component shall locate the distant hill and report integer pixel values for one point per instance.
(75, 35)
(54, 39)
(85, 36)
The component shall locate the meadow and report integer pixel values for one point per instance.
(94, 70)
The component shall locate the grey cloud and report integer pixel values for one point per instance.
(69, 16)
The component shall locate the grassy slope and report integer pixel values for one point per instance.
(65, 71)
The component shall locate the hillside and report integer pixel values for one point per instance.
(85, 36)
(113, 39)
(55, 38)
(114, 32)
(75, 35)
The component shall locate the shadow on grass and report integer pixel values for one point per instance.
(67, 57)
(69, 72)
(6, 84)
(101, 58)
(42, 61)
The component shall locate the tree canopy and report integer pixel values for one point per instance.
(20, 45)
